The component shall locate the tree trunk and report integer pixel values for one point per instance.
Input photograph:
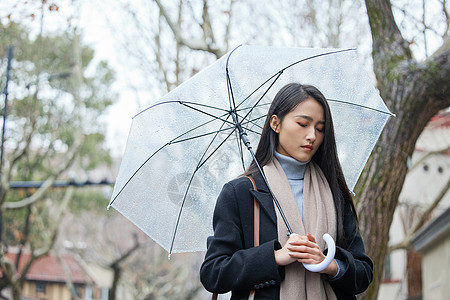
(414, 92)
(15, 290)
(414, 273)
(117, 272)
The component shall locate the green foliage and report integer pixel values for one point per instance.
(93, 199)
(56, 99)
(50, 101)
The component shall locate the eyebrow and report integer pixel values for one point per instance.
(308, 118)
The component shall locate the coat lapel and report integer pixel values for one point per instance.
(266, 203)
(264, 199)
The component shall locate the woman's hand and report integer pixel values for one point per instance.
(282, 256)
(304, 249)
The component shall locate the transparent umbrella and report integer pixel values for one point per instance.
(181, 150)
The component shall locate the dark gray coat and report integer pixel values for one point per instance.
(233, 264)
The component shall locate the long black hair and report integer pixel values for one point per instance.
(326, 156)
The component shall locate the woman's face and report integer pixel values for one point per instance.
(301, 132)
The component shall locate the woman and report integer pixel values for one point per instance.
(297, 151)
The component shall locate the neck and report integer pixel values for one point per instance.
(293, 168)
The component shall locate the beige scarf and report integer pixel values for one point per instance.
(319, 217)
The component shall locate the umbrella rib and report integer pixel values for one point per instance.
(174, 141)
(277, 74)
(212, 140)
(229, 87)
(199, 136)
(201, 163)
(220, 118)
(215, 150)
(180, 102)
(316, 56)
(135, 172)
(179, 214)
(253, 123)
(201, 104)
(208, 114)
(362, 106)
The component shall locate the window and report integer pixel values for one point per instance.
(88, 292)
(40, 287)
(104, 294)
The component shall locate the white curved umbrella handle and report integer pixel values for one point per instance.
(328, 259)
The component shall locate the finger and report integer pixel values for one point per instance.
(298, 239)
(304, 258)
(305, 249)
(304, 243)
(311, 238)
(301, 256)
(308, 261)
(300, 249)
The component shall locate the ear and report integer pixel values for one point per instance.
(274, 123)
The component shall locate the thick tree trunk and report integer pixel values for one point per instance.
(414, 92)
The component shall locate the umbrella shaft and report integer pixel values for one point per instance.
(242, 133)
(275, 200)
(246, 142)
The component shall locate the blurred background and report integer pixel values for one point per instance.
(74, 73)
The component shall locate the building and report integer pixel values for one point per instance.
(48, 276)
(428, 176)
(434, 242)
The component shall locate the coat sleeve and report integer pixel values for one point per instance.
(358, 267)
(228, 266)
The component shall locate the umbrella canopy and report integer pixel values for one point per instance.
(181, 150)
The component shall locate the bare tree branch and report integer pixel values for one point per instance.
(208, 33)
(40, 193)
(117, 269)
(178, 48)
(447, 17)
(228, 26)
(158, 55)
(194, 44)
(52, 232)
(68, 274)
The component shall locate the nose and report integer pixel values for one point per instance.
(311, 135)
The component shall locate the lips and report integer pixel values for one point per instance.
(307, 148)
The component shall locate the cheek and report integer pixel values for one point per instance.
(320, 139)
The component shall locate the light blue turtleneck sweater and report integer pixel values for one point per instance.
(295, 173)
